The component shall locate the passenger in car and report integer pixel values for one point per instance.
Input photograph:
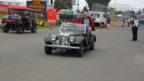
(88, 21)
(78, 19)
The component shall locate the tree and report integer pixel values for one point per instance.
(118, 12)
(143, 10)
(103, 2)
(63, 4)
(139, 12)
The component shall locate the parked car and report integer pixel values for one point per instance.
(72, 37)
(19, 19)
(100, 18)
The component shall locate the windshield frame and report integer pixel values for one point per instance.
(72, 27)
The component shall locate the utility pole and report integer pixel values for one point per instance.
(77, 5)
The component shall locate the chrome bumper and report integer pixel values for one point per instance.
(62, 46)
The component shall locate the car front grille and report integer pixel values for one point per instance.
(63, 40)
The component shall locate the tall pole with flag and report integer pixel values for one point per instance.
(77, 5)
(77, 1)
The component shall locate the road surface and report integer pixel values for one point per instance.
(115, 58)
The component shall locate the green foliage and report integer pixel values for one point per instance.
(63, 4)
(104, 2)
(1, 26)
(2, 15)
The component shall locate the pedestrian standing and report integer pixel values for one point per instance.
(108, 22)
(135, 25)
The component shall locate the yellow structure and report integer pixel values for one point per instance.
(114, 15)
(114, 19)
(36, 4)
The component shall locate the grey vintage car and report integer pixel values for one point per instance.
(72, 37)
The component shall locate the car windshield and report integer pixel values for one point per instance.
(14, 16)
(79, 28)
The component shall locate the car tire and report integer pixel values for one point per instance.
(6, 29)
(48, 50)
(18, 30)
(92, 47)
(80, 52)
(33, 30)
(22, 30)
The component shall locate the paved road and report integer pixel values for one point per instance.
(116, 58)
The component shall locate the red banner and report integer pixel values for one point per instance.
(3, 9)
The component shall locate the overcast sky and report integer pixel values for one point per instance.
(119, 4)
(127, 4)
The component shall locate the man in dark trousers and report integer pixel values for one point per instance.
(135, 25)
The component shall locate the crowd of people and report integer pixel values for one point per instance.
(87, 19)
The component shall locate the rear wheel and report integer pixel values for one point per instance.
(22, 30)
(92, 47)
(19, 30)
(48, 50)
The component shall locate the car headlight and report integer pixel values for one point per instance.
(71, 39)
(53, 37)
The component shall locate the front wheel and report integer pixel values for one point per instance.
(48, 50)
(6, 29)
(80, 52)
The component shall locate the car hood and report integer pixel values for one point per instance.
(66, 33)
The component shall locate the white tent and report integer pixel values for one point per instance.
(14, 2)
(119, 15)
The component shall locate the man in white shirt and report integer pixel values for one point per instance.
(135, 26)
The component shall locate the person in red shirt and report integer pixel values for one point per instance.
(78, 19)
(88, 20)
(92, 23)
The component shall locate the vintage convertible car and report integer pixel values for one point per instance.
(19, 19)
(72, 37)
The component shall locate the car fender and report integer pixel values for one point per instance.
(48, 38)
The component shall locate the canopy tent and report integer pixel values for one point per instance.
(19, 7)
(4, 8)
